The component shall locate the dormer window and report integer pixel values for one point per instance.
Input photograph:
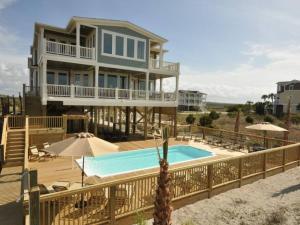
(123, 46)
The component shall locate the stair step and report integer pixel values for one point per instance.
(14, 155)
(11, 164)
(15, 152)
(15, 146)
(15, 159)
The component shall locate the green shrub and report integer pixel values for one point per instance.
(140, 218)
(190, 119)
(205, 121)
(268, 119)
(295, 119)
(188, 222)
(214, 115)
(231, 114)
(249, 119)
(233, 108)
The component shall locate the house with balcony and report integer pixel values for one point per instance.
(101, 66)
(189, 100)
(287, 90)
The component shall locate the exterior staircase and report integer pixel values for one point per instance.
(15, 149)
(33, 106)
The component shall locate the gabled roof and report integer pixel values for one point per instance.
(105, 22)
(289, 82)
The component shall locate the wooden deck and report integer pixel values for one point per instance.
(11, 212)
(61, 168)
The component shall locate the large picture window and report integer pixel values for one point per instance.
(50, 78)
(107, 43)
(112, 81)
(101, 80)
(123, 46)
(119, 46)
(62, 79)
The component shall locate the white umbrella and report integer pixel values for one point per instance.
(81, 145)
(265, 126)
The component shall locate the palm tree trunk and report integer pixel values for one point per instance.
(162, 204)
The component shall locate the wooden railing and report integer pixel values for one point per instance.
(163, 65)
(87, 53)
(45, 122)
(247, 138)
(16, 122)
(106, 202)
(58, 90)
(4, 137)
(26, 143)
(84, 92)
(106, 93)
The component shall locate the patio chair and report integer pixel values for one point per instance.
(47, 145)
(36, 154)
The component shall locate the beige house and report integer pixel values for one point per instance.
(285, 91)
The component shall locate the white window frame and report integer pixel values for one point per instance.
(125, 37)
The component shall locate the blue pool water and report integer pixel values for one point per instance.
(123, 162)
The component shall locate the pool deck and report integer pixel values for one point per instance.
(61, 168)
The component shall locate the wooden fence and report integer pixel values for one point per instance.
(246, 138)
(109, 201)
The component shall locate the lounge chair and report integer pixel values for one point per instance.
(35, 153)
(47, 145)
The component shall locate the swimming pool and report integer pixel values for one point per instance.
(128, 161)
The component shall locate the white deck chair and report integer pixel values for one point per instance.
(35, 153)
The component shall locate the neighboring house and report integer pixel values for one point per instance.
(287, 90)
(191, 100)
(99, 63)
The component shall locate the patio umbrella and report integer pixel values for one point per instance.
(81, 145)
(265, 126)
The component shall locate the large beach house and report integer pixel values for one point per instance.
(189, 100)
(100, 66)
(287, 90)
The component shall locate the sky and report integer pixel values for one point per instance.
(232, 50)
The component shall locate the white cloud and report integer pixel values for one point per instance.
(6, 3)
(13, 68)
(246, 81)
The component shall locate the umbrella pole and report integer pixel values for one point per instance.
(82, 171)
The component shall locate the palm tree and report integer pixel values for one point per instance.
(272, 97)
(162, 204)
(264, 97)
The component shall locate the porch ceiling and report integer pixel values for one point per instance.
(68, 66)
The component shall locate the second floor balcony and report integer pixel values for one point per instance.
(57, 48)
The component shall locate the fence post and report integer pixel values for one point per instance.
(112, 204)
(210, 179)
(33, 177)
(299, 156)
(65, 125)
(34, 206)
(283, 159)
(264, 165)
(240, 171)
(1, 157)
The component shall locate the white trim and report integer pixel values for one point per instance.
(125, 38)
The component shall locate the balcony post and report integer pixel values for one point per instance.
(162, 96)
(160, 56)
(116, 93)
(77, 40)
(176, 90)
(130, 94)
(147, 86)
(44, 76)
(72, 90)
(96, 81)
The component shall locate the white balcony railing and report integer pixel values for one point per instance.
(74, 91)
(57, 48)
(163, 65)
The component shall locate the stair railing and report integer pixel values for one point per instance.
(26, 142)
(4, 138)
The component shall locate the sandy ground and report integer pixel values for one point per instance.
(275, 200)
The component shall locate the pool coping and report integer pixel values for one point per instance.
(213, 154)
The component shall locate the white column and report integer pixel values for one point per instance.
(177, 83)
(161, 55)
(44, 79)
(147, 85)
(160, 84)
(77, 40)
(96, 81)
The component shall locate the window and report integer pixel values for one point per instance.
(291, 87)
(112, 81)
(119, 45)
(107, 43)
(123, 46)
(62, 79)
(50, 78)
(77, 79)
(141, 50)
(123, 82)
(142, 85)
(130, 48)
(101, 80)
(85, 80)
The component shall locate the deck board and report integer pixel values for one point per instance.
(10, 190)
